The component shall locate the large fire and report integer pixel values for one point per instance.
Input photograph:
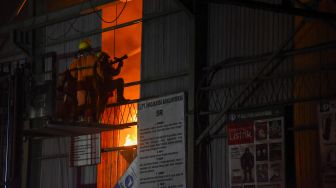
(117, 43)
(130, 134)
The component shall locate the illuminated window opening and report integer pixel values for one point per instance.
(116, 43)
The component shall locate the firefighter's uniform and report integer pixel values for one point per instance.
(107, 84)
(83, 69)
(94, 84)
(106, 72)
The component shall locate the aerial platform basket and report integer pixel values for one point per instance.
(125, 118)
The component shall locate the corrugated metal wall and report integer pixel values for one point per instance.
(56, 172)
(218, 160)
(165, 48)
(236, 32)
(232, 32)
(307, 153)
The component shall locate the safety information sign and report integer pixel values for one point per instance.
(161, 142)
(256, 153)
(85, 150)
(327, 132)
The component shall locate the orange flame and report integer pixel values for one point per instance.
(130, 140)
(130, 134)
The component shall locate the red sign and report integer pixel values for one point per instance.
(240, 133)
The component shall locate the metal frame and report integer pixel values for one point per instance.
(54, 17)
(266, 70)
(234, 103)
(309, 13)
(111, 28)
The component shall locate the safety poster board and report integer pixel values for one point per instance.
(256, 153)
(85, 150)
(161, 142)
(327, 135)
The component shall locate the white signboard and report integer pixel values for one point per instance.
(327, 132)
(129, 179)
(85, 150)
(161, 142)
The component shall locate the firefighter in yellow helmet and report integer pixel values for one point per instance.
(83, 69)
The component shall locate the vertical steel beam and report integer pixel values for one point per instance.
(17, 127)
(35, 148)
(191, 109)
(191, 125)
(7, 136)
(201, 58)
(290, 147)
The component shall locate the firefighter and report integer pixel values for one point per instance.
(83, 69)
(107, 84)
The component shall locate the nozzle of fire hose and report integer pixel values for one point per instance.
(118, 59)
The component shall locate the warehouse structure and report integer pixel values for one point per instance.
(256, 75)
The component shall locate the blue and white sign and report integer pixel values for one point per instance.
(129, 179)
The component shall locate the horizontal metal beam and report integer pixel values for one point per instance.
(290, 75)
(315, 99)
(100, 126)
(66, 155)
(259, 58)
(99, 31)
(50, 157)
(245, 60)
(301, 128)
(278, 8)
(60, 129)
(158, 78)
(120, 148)
(55, 17)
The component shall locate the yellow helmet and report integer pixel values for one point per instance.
(84, 45)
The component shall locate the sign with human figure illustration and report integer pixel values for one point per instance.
(327, 134)
(256, 153)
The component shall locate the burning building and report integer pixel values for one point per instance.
(234, 93)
